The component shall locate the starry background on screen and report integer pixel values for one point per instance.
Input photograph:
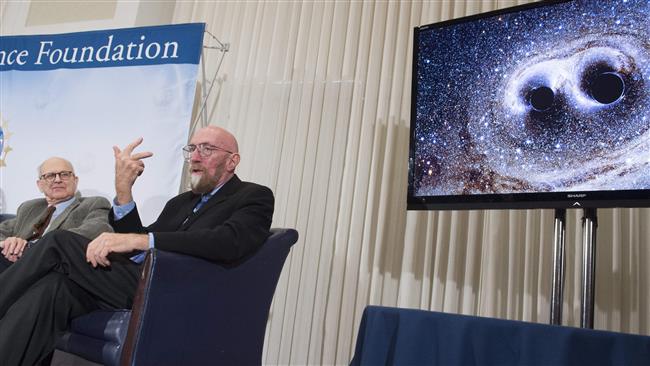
(550, 99)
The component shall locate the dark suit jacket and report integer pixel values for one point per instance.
(230, 226)
(86, 216)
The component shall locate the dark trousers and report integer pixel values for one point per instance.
(4, 263)
(49, 286)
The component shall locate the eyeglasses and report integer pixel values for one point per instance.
(205, 150)
(50, 177)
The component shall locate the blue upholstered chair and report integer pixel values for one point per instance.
(4, 217)
(188, 311)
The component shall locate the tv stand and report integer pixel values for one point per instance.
(589, 225)
(557, 286)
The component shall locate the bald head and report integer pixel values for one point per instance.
(222, 138)
(55, 161)
(214, 164)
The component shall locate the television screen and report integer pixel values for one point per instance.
(545, 105)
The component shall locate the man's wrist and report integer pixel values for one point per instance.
(119, 211)
(123, 199)
(151, 241)
(139, 241)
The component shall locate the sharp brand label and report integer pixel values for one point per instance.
(579, 195)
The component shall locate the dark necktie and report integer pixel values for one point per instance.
(202, 202)
(41, 225)
(204, 198)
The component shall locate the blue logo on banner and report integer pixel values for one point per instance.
(4, 147)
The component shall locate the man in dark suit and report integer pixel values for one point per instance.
(222, 219)
(86, 216)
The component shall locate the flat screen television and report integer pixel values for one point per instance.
(545, 105)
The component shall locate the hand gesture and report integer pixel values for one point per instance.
(128, 166)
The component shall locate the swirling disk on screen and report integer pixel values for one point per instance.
(551, 99)
(559, 111)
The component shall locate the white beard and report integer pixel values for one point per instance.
(194, 180)
(200, 183)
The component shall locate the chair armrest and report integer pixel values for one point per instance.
(187, 308)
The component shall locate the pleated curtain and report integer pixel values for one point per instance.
(318, 94)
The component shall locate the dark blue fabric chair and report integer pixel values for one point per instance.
(188, 311)
(4, 217)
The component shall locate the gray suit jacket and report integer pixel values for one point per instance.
(87, 216)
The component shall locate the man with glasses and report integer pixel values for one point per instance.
(221, 219)
(61, 208)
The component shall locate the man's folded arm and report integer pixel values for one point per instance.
(8, 227)
(125, 219)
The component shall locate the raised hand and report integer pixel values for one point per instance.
(128, 167)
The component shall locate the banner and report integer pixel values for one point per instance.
(76, 95)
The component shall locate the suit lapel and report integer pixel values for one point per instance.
(185, 212)
(56, 223)
(35, 213)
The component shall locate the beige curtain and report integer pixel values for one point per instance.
(319, 95)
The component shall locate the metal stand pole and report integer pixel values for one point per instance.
(589, 225)
(557, 285)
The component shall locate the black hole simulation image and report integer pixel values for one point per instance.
(552, 99)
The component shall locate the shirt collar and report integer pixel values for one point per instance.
(213, 192)
(61, 206)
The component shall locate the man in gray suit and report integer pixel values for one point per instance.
(87, 216)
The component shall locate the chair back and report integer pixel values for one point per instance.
(188, 311)
(191, 311)
(6, 216)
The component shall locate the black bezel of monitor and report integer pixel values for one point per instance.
(529, 200)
